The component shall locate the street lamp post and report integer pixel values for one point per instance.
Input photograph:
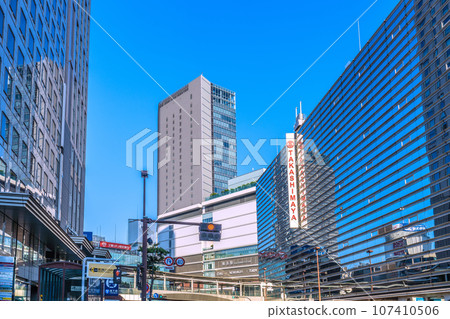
(265, 284)
(318, 271)
(369, 251)
(144, 175)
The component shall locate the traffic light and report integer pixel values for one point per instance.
(210, 232)
(117, 276)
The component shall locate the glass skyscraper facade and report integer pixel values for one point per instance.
(224, 136)
(377, 191)
(44, 50)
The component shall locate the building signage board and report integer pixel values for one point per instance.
(105, 244)
(292, 180)
(100, 270)
(6, 277)
(301, 182)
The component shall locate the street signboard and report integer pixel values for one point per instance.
(111, 289)
(105, 244)
(291, 157)
(168, 261)
(6, 277)
(180, 261)
(100, 270)
(169, 267)
(148, 288)
(94, 288)
(75, 288)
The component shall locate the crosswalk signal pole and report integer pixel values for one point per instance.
(144, 175)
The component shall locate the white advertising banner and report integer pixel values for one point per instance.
(292, 180)
(301, 182)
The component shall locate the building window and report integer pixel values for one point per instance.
(15, 142)
(39, 174)
(26, 116)
(32, 164)
(40, 27)
(12, 181)
(47, 151)
(20, 62)
(41, 140)
(34, 130)
(24, 154)
(2, 20)
(2, 173)
(45, 183)
(31, 43)
(23, 24)
(207, 218)
(7, 84)
(18, 102)
(13, 6)
(49, 119)
(46, 44)
(11, 42)
(5, 128)
(47, 13)
(33, 10)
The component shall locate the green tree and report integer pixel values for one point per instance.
(155, 257)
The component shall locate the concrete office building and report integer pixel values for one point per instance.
(378, 206)
(200, 157)
(44, 50)
(236, 255)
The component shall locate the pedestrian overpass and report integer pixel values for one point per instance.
(171, 286)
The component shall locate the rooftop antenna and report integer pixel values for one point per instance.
(359, 37)
(301, 111)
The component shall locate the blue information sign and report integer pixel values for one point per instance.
(6, 277)
(94, 287)
(111, 289)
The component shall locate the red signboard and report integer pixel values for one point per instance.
(105, 244)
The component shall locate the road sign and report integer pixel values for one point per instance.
(94, 287)
(155, 295)
(169, 268)
(168, 261)
(111, 289)
(148, 288)
(100, 270)
(180, 261)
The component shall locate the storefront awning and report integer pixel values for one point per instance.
(25, 210)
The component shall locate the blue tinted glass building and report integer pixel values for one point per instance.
(224, 136)
(44, 50)
(377, 189)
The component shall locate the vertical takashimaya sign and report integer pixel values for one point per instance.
(292, 180)
(301, 182)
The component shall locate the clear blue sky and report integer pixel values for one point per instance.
(255, 48)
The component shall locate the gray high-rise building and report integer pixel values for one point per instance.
(200, 155)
